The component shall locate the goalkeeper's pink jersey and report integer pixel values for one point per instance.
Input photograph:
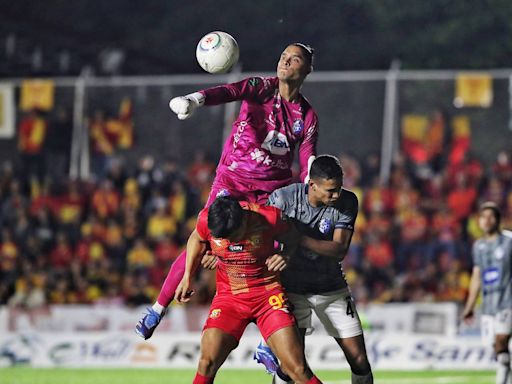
(260, 148)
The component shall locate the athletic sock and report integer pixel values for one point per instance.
(364, 379)
(314, 380)
(158, 308)
(200, 379)
(503, 370)
(172, 280)
(281, 378)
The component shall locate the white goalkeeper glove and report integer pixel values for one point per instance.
(184, 106)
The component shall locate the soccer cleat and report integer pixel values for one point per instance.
(147, 325)
(265, 356)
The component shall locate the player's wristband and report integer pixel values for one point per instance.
(196, 97)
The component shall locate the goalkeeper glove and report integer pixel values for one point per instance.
(184, 106)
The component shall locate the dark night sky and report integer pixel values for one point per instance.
(160, 36)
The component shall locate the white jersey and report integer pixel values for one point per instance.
(495, 261)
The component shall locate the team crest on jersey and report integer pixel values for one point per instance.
(499, 253)
(325, 226)
(215, 313)
(217, 242)
(222, 193)
(298, 126)
(490, 275)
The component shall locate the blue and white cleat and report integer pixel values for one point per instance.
(265, 356)
(147, 325)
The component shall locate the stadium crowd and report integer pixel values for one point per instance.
(112, 238)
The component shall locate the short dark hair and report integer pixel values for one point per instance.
(493, 207)
(225, 216)
(308, 51)
(326, 167)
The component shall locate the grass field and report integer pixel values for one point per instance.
(227, 376)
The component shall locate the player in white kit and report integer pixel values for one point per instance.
(492, 274)
(324, 214)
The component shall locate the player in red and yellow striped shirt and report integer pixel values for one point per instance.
(242, 235)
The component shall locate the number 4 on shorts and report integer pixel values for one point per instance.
(350, 310)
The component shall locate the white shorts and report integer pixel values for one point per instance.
(499, 324)
(336, 310)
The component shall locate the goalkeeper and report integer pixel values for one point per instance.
(274, 119)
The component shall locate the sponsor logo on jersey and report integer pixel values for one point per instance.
(325, 226)
(298, 126)
(276, 143)
(260, 157)
(239, 131)
(236, 248)
(215, 313)
(491, 275)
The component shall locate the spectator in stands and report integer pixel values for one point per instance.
(413, 236)
(371, 169)
(88, 249)
(469, 168)
(462, 199)
(444, 231)
(149, 176)
(32, 133)
(57, 149)
(200, 173)
(101, 143)
(115, 245)
(502, 168)
(13, 201)
(378, 198)
(116, 172)
(178, 201)
(62, 254)
(494, 191)
(101, 230)
(160, 224)
(30, 291)
(105, 200)
(140, 257)
(9, 257)
(404, 196)
(131, 199)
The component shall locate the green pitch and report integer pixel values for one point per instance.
(226, 376)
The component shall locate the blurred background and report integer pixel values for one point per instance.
(100, 184)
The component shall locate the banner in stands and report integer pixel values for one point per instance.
(423, 318)
(181, 350)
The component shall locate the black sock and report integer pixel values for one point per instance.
(283, 376)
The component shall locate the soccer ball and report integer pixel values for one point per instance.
(217, 52)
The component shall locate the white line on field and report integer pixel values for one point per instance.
(410, 380)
